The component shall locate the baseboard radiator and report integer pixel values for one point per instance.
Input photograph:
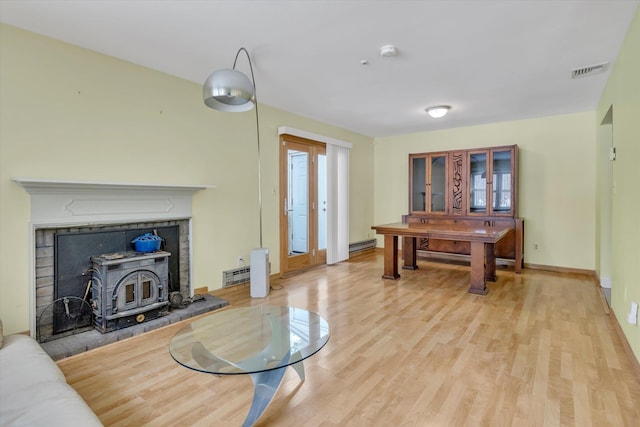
(237, 276)
(241, 275)
(362, 246)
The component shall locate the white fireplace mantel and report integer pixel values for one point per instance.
(63, 202)
(38, 185)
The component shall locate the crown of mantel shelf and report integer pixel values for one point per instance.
(52, 186)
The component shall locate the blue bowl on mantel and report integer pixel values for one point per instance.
(147, 243)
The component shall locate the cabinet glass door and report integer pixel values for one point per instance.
(478, 182)
(418, 184)
(438, 180)
(502, 191)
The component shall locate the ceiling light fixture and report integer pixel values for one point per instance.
(438, 112)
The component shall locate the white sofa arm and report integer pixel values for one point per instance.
(33, 390)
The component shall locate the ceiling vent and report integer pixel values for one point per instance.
(589, 70)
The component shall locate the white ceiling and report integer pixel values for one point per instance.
(490, 60)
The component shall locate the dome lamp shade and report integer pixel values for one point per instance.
(229, 90)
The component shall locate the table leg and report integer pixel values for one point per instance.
(390, 257)
(409, 246)
(519, 242)
(490, 262)
(299, 368)
(265, 385)
(478, 284)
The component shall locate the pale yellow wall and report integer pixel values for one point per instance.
(69, 113)
(623, 92)
(556, 180)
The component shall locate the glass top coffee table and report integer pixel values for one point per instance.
(260, 341)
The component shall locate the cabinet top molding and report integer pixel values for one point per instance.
(467, 150)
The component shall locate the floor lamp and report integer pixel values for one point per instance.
(230, 90)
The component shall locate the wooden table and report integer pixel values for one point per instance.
(482, 240)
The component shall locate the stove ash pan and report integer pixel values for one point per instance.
(129, 288)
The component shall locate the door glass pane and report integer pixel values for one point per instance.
(129, 293)
(502, 181)
(419, 184)
(478, 182)
(146, 289)
(322, 202)
(438, 184)
(298, 209)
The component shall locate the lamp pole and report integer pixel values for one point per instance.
(255, 96)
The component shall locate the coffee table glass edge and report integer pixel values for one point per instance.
(249, 340)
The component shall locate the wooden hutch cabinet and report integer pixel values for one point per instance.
(475, 186)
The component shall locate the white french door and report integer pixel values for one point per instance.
(298, 202)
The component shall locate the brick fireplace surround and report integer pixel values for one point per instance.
(85, 205)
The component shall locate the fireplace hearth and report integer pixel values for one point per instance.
(70, 345)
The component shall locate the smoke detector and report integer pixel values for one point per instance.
(589, 70)
(388, 50)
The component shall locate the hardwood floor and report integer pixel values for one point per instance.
(537, 350)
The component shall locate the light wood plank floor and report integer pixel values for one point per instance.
(538, 350)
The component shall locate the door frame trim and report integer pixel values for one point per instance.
(314, 257)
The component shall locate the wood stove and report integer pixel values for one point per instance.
(129, 288)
